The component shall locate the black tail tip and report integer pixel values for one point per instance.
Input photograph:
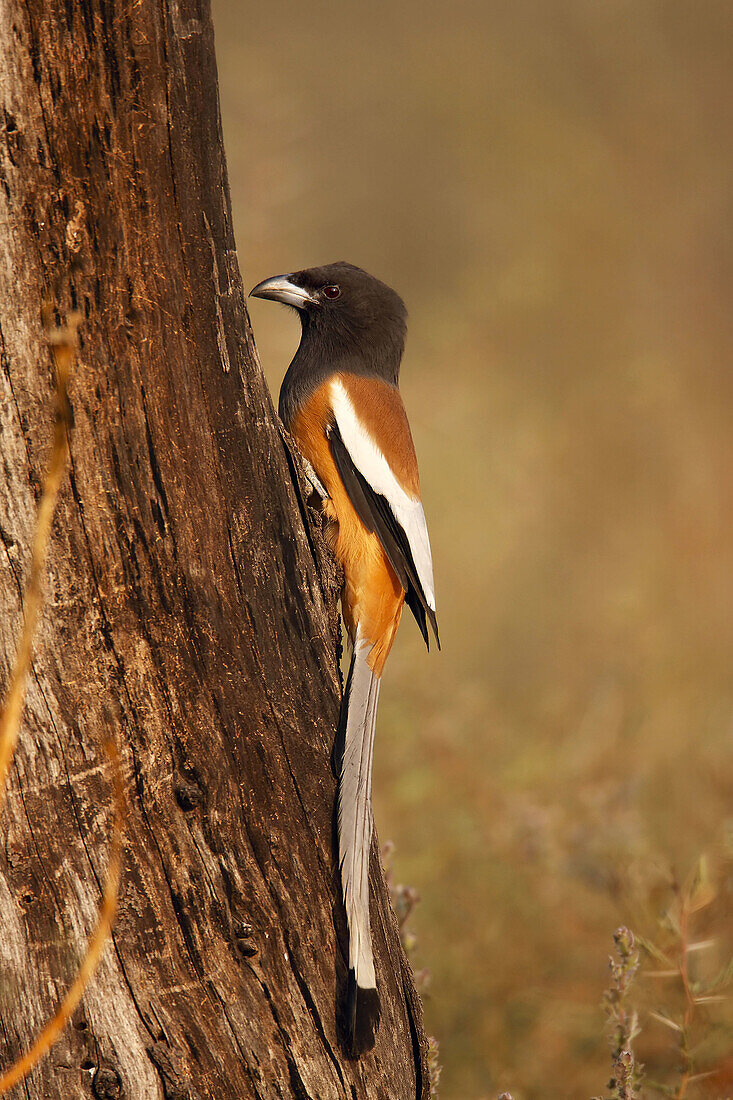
(361, 1012)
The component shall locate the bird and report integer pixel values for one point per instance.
(341, 403)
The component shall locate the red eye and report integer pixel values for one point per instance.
(332, 292)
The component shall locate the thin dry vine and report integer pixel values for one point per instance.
(63, 343)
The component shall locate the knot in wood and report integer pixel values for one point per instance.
(107, 1084)
(243, 932)
(188, 793)
(172, 1071)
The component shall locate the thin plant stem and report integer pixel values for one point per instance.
(63, 343)
(97, 940)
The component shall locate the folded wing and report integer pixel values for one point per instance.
(384, 506)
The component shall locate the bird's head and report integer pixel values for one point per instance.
(346, 311)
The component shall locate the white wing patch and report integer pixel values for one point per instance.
(374, 468)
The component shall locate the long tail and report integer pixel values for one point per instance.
(358, 719)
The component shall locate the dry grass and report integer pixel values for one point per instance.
(627, 1074)
(96, 945)
(63, 342)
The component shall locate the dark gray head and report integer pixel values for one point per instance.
(351, 321)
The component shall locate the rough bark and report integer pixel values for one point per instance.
(189, 607)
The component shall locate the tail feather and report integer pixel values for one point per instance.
(361, 1017)
(355, 835)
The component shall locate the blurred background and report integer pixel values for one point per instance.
(550, 188)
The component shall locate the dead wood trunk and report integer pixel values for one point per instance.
(187, 608)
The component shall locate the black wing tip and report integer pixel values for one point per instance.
(413, 601)
(424, 614)
(434, 623)
(361, 1011)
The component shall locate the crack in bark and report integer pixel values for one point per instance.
(217, 638)
(221, 338)
(141, 795)
(23, 434)
(310, 1005)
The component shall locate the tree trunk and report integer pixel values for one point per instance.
(190, 606)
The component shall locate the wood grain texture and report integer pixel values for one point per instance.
(190, 606)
